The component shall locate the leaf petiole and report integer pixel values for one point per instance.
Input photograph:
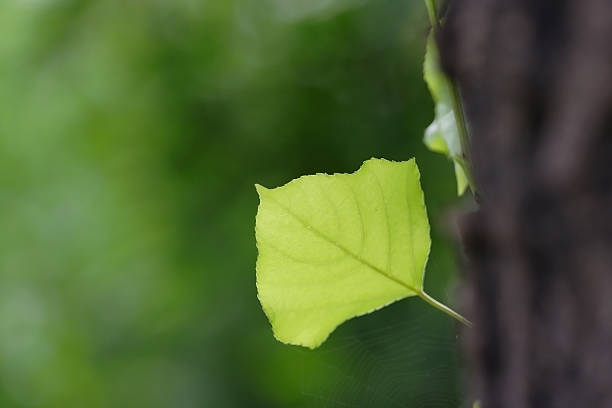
(443, 308)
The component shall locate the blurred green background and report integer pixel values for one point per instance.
(131, 134)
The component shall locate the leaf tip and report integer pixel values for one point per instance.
(260, 189)
(303, 339)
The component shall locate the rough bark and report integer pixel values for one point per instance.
(536, 76)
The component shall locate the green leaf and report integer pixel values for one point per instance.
(442, 136)
(332, 247)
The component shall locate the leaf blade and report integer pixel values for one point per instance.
(442, 135)
(332, 247)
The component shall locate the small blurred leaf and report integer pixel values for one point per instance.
(442, 135)
(332, 247)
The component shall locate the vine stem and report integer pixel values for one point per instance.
(457, 105)
(432, 11)
(459, 113)
(443, 308)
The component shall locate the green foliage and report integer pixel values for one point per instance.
(332, 247)
(442, 136)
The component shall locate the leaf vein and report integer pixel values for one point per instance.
(331, 241)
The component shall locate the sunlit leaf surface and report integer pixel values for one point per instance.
(332, 247)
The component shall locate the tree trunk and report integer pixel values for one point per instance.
(536, 77)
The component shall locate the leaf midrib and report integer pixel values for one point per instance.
(356, 257)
